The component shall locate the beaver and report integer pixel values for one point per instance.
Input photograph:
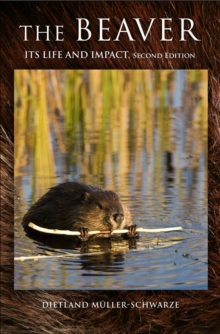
(76, 206)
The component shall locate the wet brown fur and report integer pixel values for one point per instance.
(72, 205)
(21, 311)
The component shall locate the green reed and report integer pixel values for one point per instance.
(32, 128)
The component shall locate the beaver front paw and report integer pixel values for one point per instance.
(84, 236)
(132, 231)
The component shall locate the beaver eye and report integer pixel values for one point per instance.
(100, 206)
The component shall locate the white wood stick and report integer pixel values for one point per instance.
(66, 232)
(64, 255)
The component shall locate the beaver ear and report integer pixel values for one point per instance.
(85, 196)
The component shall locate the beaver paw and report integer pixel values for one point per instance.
(84, 233)
(132, 231)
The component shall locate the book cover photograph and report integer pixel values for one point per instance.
(80, 132)
(110, 167)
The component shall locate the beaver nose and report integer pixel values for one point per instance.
(119, 217)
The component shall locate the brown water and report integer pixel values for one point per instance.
(146, 139)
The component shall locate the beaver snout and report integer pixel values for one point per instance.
(118, 217)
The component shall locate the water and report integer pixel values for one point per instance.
(174, 260)
(157, 163)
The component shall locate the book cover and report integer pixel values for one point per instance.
(123, 96)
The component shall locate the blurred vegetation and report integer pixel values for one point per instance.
(108, 124)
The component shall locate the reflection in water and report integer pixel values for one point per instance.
(142, 134)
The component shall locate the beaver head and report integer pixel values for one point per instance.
(102, 209)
